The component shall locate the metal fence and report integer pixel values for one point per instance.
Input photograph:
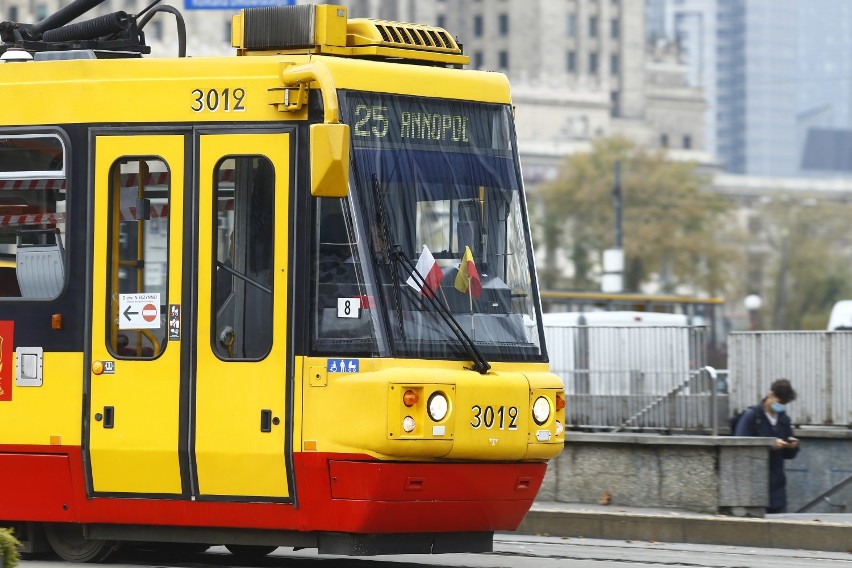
(619, 378)
(818, 363)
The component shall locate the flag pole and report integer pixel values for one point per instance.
(446, 303)
(470, 300)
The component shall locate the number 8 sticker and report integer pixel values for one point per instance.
(348, 307)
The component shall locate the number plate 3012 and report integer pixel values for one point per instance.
(490, 417)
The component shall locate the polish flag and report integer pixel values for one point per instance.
(429, 270)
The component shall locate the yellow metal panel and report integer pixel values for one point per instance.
(220, 89)
(331, 25)
(36, 414)
(233, 456)
(329, 160)
(138, 455)
(368, 411)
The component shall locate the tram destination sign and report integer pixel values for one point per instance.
(234, 4)
(392, 120)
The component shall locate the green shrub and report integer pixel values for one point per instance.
(8, 549)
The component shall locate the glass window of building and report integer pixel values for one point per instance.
(614, 28)
(687, 142)
(664, 140)
(571, 30)
(477, 60)
(593, 26)
(503, 24)
(614, 64)
(503, 58)
(477, 25)
(571, 62)
(593, 62)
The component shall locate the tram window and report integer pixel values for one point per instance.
(243, 246)
(138, 256)
(342, 303)
(32, 216)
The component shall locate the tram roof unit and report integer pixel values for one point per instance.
(326, 30)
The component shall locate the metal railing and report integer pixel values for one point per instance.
(818, 364)
(636, 377)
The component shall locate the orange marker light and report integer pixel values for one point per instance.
(560, 402)
(56, 321)
(410, 398)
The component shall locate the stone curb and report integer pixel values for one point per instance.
(759, 533)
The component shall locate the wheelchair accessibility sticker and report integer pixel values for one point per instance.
(342, 366)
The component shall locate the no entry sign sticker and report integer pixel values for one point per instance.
(139, 311)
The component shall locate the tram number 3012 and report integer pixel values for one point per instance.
(218, 100)
(507, 417)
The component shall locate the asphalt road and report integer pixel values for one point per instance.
(510, 551)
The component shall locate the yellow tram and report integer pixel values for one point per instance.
(281, 298)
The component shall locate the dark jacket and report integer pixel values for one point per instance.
(754, 422)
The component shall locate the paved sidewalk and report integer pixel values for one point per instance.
(827, 532)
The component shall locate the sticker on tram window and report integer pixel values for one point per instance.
(139, 311)
(174, 322)
(488, 417)
(348, 307)
(218, 100)
(342, 366)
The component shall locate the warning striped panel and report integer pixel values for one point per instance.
(22, 220)
(31, 184)
(127, 180)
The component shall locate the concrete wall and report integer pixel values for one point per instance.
(717, 474)
(824, 461)
(697, 473)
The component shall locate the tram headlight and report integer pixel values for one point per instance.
(559, 428)
(437, 406)
(408, 424)
(541, 410)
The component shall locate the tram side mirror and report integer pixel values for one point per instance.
(329, 160)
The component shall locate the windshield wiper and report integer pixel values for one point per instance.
(384, 224)
(480, 364)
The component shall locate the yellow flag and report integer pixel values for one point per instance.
(467, 280)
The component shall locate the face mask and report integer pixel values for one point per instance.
(777, 407)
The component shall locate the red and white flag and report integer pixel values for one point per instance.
(428, 268)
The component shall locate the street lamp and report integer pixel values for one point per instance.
(752, 303)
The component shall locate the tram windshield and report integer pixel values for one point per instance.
(436, 198)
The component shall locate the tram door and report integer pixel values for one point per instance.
(242, 360)
(135, 375)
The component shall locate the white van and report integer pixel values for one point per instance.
(841, 316)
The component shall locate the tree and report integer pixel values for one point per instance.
(807, 265)
(670, 222)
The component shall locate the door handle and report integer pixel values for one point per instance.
(267, 420)
(109, 416)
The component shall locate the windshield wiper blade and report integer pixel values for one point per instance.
(480, 364)
(384, 239)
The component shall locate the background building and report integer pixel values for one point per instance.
(777, 78)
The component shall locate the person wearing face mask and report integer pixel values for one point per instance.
(769, 419)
